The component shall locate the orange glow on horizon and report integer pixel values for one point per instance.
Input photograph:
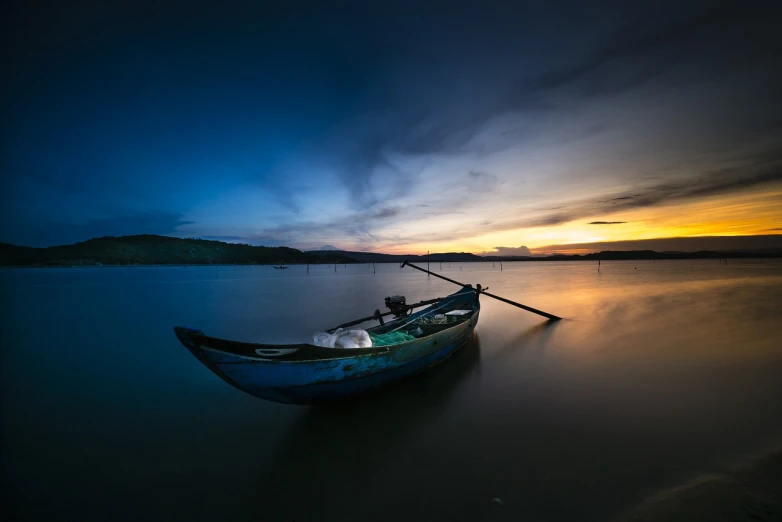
(745, 214)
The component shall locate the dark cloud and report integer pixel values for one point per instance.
(643, 50)
(384, 213)
(482, 181)
(547, 221)
(606, 222)
(445, 114)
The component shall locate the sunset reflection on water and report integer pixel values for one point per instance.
(656, 372)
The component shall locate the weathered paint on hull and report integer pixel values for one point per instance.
(348, 388)
(310, 382)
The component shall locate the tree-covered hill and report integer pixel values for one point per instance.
(155, 250)
(163, 250)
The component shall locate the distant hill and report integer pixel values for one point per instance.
(372, 257)
(155, 250)
(163, 250)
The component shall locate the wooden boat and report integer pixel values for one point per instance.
(307, 374)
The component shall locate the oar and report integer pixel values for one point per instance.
(551, 317)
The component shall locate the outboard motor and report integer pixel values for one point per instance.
(396, 303)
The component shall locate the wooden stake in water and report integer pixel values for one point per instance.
(427, 262)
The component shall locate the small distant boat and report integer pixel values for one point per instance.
(280, 266)
(308, 374)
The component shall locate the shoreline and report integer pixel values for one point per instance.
(721, 260)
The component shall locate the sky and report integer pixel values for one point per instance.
(399, 127)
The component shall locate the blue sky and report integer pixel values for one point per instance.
(391, 127)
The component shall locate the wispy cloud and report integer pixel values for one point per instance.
(753, 172)
(680, 244)
(606, 222)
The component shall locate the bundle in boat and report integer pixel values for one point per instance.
(343, 339)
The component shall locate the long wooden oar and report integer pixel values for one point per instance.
(551, 317)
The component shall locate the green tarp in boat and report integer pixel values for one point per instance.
(390, 338)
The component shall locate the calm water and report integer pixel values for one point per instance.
(659, 372)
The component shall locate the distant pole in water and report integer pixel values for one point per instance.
(308, 268)
(441, 265)
(500, 265)
(373, 269)
(427, 261)
(335, 266)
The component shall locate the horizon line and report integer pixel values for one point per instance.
(664, 244)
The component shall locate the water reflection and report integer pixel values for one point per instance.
(336, 450)
(655, 374)
(533, 340)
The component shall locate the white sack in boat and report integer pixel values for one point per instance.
(343, 339)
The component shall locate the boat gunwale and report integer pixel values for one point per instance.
(196, 339)
(347, 353)
(385, 371)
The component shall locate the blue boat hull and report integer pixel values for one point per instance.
(305, 374)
